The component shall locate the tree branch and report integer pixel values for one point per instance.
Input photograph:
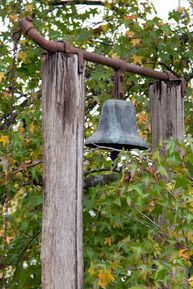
(96, 147)
(97, 171)
(178, 244)
(29, 243)
(100, 180)
(137, 220)
(188, 76)
(78, 2)
(24, 167)
(169, 69)
(151, 221)
(9, 118)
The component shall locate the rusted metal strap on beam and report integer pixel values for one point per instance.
(61, 46)
(80, 63)
(118, 88)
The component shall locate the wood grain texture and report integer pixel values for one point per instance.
(63, 116)
(167, 121)
(167, 111)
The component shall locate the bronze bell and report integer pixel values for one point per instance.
(117, 127)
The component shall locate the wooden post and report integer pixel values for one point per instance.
(167, 121)
(167, 111)
(61, 255)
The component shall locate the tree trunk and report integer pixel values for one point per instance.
(63, 107)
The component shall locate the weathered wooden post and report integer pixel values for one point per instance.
(167, 120)
(167, 110)
(63, 107)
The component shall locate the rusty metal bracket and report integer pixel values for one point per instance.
(26, 25)
(67, 47)
(118, 88)
(80, 62)
(170, 75)
(183, 86)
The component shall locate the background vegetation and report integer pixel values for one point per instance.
(138, 228)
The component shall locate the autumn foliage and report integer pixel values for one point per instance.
(138, 228)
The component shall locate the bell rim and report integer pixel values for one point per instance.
(126, 146)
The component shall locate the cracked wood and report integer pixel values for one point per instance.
(63, 115)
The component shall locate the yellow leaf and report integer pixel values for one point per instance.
(180, 9)
(151, 206)
(108, 241)
(105, 277)
(4, 139)
(144, 134)
(130, 17)
(169, 186)
(13, 17)
(190, 192)
(129, 34)
(20, 129)
(5, 93)
(1, 233)
(24, 42)
(185, 254)
(29, 8)
(9, 239)
(31, 128)
(116, 225)
(135, 41)
(191, 204)
(113, 54)
(105, 27)
(190, 281)
(12, 160)
(142, 117)
(190, 237)
(137, 59)
(22, 56)
(1, 76)
(115, 265)
(19, 175)
(91, 272)
(181, 252)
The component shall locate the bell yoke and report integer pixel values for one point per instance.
(117, 128)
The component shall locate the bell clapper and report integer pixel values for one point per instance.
(114, 155)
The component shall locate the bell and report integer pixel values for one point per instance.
(117, 128)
